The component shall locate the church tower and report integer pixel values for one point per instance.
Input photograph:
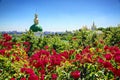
(93, 27)
(36, 27)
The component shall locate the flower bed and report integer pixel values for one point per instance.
(46, 62)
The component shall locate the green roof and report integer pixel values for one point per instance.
(36, 28)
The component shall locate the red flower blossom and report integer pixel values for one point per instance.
(55, 59)
(106, 48)
(40, 59)
(108, 56)
(27, 70)
(53, 51)
(117, 72)
(33, 77)
(46, 47)
(42, 71)
(39, 64)
(71, 51)
(26, 43)
(78, 57)
(27, 46)
(2, 51)
(107, 64)
(75, 74)
(7, 45)
(113, 48)
(117, 58)
(27, 49)
(23, 70)
(12, 79)
(18, 44)
(65, 54)
(117, 53)
(23, 78)
(100, 60)
(7, 37)
(54, 76)
(42, 77)
(86, 50)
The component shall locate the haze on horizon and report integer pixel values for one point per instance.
(58, 15)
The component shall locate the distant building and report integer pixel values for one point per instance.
(93, 27)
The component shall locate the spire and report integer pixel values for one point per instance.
(93, 23)
(36, 21)
(93, 26)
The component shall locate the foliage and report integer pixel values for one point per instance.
(78, 55)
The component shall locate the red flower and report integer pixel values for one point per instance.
(8, 45)
(86, 50)
(75, 74)
(100, 60)
(33, 77)
(54, 76)
(39, 64)
(71, 51)
(46, 47)
(117, 53)
(26, 43)
(7, 37)
(42, 77)
(117, 72)
(27, 46)
(12, 79)
(108, 56)
(23, 70)
(40, 59)
(107, 64)
(78, 57)
(65, 54)
(42, 71)
(23, 78)
(17, 58)
(27, 70)
(2, 51)
(55, 59)
(117, 58)
(53, 51)
(106, 48)
(27, 49)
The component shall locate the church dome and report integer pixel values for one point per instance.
(36, 27)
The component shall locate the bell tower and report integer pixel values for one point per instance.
(36, 27)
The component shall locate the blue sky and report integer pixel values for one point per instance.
(58, 15)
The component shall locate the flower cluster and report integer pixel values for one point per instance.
(111, 59)
(84, 63)
(26, 46)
